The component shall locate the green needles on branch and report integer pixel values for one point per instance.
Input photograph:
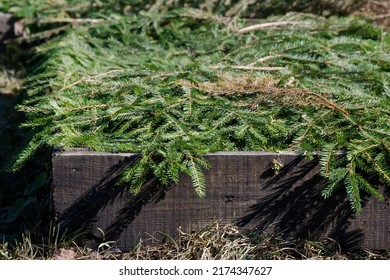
(174, 86)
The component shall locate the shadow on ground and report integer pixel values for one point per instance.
(24, 195)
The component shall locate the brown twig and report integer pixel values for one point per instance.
(382, 16)
(249, 68)
(265, 89)
(246, 67)
(72, 20)
(263, 59)
(268, 25)
(92, 78)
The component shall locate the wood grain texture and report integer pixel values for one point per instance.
(242, 188)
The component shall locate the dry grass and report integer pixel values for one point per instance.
(228, 242)
(214, 242)
(377, 10)
(9, 82)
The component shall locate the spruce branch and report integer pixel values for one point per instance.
(326, 157)
(173, 88)
(198, 179)
(381, 170)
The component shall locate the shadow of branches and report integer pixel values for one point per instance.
(295, 208)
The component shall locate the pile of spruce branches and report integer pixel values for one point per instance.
(174, 86)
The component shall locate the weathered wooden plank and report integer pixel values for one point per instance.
(242, 188)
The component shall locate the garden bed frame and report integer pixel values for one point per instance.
(265, 191)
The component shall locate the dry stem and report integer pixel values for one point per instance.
(265, 89)
(269, 24)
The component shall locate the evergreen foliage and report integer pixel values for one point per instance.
(174, 86)
(247, 8)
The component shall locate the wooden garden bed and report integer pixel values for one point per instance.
(269, 192)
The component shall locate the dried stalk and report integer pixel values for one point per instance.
(270, 24)
(265, 90)
(73, 20)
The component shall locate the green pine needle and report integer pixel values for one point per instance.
(174, 86)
